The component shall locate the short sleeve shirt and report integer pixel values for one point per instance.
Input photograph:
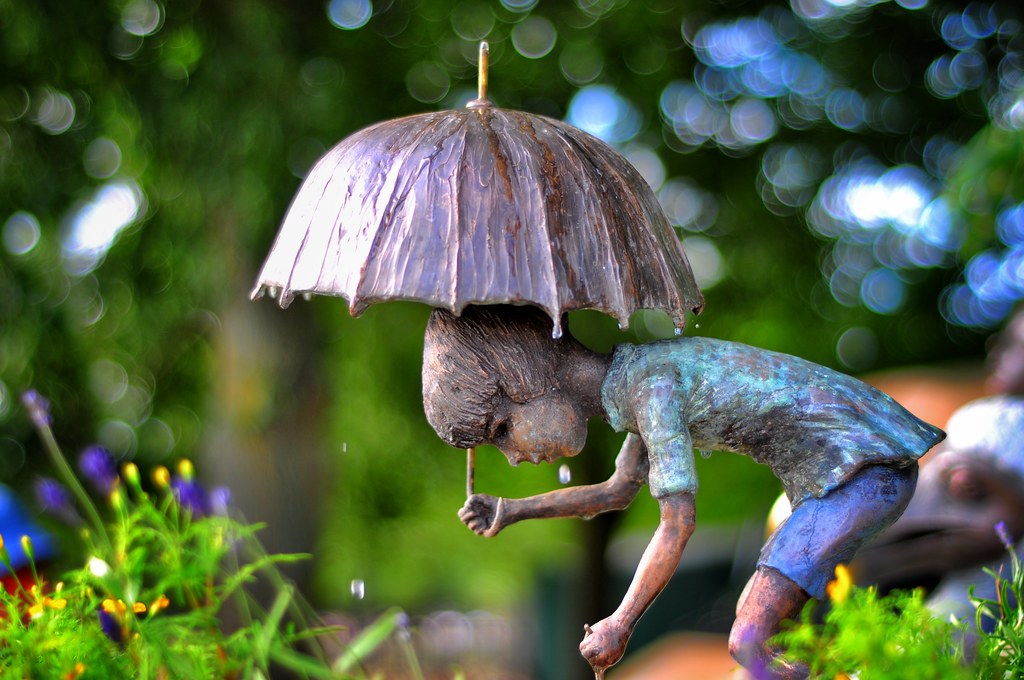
(813, 426)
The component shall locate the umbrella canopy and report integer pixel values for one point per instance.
(480, 206)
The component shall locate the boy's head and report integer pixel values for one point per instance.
(494, 376)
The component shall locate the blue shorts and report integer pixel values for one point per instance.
(823, 532)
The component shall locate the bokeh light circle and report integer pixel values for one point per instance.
(534, 37)
(21, 233)
(857, 348)
(604, 113)
(428, 82)
(349, 15)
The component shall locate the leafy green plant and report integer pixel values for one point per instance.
(1001, 646)
(872, 637)
(164, 568)
(876, 638)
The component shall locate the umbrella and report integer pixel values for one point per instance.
(480, 206)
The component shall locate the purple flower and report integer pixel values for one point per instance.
(1004, 535)
(99, 466)
(111, 627)
(191, 495)
(55, 499)
(220, 499)
(38, 408)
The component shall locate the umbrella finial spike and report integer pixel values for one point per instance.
(481, 100)
(485, 58)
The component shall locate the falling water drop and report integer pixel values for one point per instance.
(344, 447)
(705, 453)
(696, 325)
(358, 588)
(564, 474)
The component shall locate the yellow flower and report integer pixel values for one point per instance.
(26, 545)
(186, 470)
(139, 608)
(839, 589)
(161, 477)
(114, 607)
(159, 603)
(44, 602)
(131, 473)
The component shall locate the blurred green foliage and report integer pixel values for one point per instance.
(204, 115)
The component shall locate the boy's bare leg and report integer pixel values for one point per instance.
(770, 599)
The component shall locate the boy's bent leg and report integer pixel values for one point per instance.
(770, 599)
(801, 556)
(824, 532)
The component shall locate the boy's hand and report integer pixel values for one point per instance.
(483, 514)
(604, 644)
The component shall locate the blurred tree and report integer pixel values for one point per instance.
(845, 175)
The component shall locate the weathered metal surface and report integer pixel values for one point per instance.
(974, 482)
(846, 453)
(480, 206)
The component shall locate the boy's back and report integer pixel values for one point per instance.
(813, 426)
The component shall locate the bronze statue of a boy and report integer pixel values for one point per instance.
(846, 453)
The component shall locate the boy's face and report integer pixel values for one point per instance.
(542, 429)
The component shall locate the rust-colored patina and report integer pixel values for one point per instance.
(480, 206)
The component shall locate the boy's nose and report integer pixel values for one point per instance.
(544, 429)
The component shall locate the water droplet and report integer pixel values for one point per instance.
(564, 474)
(358, 588)
(696, 325)
(307, 296)
(678, 331)
(344, 447)
(705, 453)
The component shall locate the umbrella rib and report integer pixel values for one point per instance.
(554, 309)
(583, 152)
(661, 261)
(394, 202)
(456, 232)
(305, 238)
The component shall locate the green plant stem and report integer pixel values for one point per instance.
(68, 475)
(6, 561)
(410, 656)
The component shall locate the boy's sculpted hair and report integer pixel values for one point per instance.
(471, 361)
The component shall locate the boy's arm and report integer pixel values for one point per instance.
(487, 515)
(605, 641)
(659, 411)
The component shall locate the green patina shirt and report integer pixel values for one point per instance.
(813, 426)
